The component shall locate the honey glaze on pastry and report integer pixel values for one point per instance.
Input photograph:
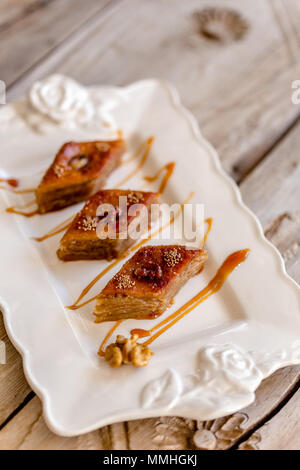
(82, 240)
(86, 290)
(79, 170)
(146, 284)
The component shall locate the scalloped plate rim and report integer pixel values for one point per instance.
(143, 413)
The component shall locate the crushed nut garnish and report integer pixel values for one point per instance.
(149, 270)
(79, 162)
(127, 351)
(172, 257)
(88, 223)
(134, 198)
(103, 147)
(59, 170)
(124, 281)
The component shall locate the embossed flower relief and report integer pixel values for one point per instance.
(61, 101)
(222, 373)
(228, 363)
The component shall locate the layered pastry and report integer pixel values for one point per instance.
(147, 283)
(102, 229)
(79, 170)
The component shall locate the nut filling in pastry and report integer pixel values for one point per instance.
(84, 239)
(146, 284)
(79, 170)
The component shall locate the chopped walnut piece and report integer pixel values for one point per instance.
(149, 270)
(127, 351)
(59, 170)
(77, 163)
(113, 355)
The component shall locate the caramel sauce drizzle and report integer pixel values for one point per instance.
(15, 210)
(113, 328)
(142, 162)
(14, 183)
(140, 332)
(209, 222)
(231, 262)
(56, 230)
(20, 191)
(76, 305)
(169, 169)
(135, 155)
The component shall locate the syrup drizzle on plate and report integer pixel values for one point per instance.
(169, 169)
(141, 163)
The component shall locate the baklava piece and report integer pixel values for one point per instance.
(79, 170)
(87, 239)
(147, 283)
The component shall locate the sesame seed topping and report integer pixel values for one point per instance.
(172, 257)
(134, 198)
(88, 223)
(124, 281)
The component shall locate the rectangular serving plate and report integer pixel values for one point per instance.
(210, 363)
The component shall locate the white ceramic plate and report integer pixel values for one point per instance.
(210, 363)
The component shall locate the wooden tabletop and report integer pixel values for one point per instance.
(234, 70)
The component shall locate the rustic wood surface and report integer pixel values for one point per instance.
(236, 78)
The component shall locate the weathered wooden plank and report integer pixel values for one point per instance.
(14, 10)
(282, 432)
(28, 431)
(41, 27)
(13, 386)
(239, 90)
(224, 433)
(272, 191)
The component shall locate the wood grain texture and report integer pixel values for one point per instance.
(282, 432)
(272, 191)
(13, 386)
(28, 431)
(13, 10)
(239, 90)
(225, 433)
(40, 28)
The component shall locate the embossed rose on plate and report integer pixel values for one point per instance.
(59, 101)
(58, 98)
(228, 363)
